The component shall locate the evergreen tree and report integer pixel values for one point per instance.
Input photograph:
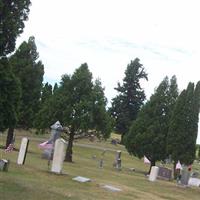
(148, 133)
(101, 118)
(12, 15)
(42, 119)
(79, 104)
(55, 87)
(46, 93)
(30, 72)
(126, 105)
(184, 125)
(9, 96)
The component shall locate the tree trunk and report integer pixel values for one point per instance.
(69, 151)
(9, 136)
(153, 163)
(176, 172)
(122, 138)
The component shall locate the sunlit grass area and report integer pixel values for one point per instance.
(34, 180)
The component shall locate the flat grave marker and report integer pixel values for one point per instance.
(81, 179)
(111, 188)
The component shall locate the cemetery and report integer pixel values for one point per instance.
(29, 176)
(92, 132)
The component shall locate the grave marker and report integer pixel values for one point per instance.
(111, 188)
(154, 173)
(59, 155)
(165, 173)
(81, 179)
(185, 175)
(23, 151)
(194, 182)
(117, 162)
(4, 165)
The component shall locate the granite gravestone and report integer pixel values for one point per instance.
(23, 151)
(117, 162)
(48, 146)
(165, 173)
(4, 165)
(185, 175)
(59, 155)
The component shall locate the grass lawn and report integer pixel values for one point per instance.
(33, 181)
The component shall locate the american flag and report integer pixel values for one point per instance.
(10, 146)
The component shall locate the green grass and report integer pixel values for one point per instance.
(33, 181)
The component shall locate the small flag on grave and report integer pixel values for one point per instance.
(146, 160)
(9, 148)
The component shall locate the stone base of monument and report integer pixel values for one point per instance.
(4, 164)
(47, 154)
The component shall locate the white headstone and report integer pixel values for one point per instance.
(81, 179)
(154, 173)
(194, 182)
(23, 151)
(111, 188)
(59, 155)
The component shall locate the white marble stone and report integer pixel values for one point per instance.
(154, 173)
(194, 182)
(81, 179)
(59, 155)
(111, 188)
(23, 151)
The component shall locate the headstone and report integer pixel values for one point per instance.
(92, 138)
(154, 173)
(185, 175)
(101, 163)
(81, 179)
(59, 155)
(111, 188)
(117, 162)
(165, 173)
(23, 151)
(194, 182)
(4, 165)
(48, 146)
(56, 130)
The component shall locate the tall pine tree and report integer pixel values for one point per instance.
(12, 15)
(148, 133)
(126, 105)
(184, 125)
(30, 72)
(10, 93)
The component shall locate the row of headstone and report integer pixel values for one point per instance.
(165, 173)
(116, 163)
(58, 156)
(161, 173)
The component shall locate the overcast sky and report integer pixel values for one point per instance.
(108, 34)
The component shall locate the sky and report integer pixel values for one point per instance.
(108, 34)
